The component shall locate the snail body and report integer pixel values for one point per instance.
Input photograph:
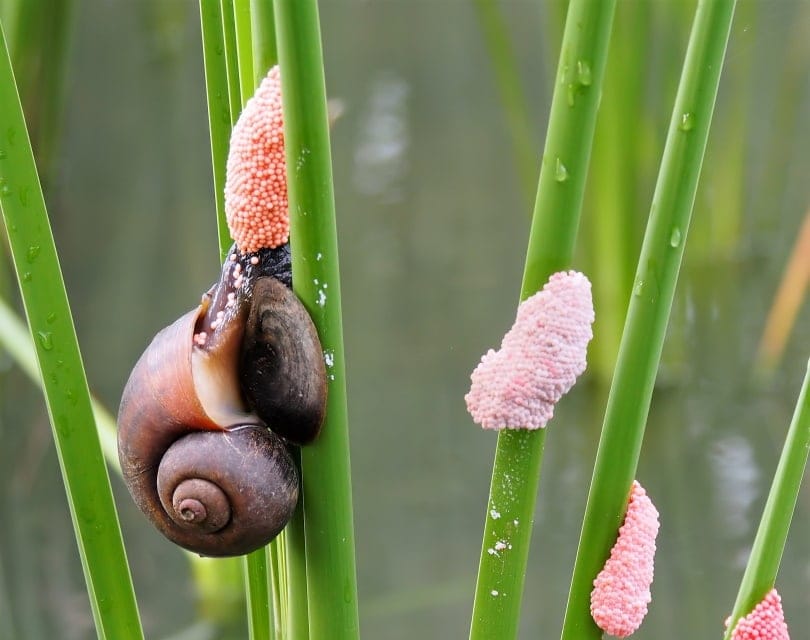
(194, 444)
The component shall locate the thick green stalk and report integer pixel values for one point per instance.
(328, 525)
(516, 473)
(219, 109)
(648, 313)
(769, 543)
(84, 473)
(265, 56)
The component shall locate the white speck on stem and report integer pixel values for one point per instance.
(500, 545)
(321, 301)
(329, 358)
(494, 592)
(494, 514)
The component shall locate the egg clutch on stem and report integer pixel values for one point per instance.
(212, 405)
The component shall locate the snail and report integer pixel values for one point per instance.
(210, 406)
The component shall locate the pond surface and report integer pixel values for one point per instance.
(433, 225)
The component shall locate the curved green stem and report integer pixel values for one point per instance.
(769, 543)
(84, 473)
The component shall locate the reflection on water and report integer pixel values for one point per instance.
(737, 480)
(432, 240)
(380, 159)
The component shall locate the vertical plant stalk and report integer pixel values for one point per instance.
(231, 58)
(84, 473)
(516, 473)
(769, 543)
(220, 116)
(219, 109)
(648, 313)
(613, 232)
(263, 22)
(326, 477)
(244, 49)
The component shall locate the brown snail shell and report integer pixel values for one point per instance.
(280, 349)
(205, 470)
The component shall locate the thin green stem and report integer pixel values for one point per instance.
(265, 56)
(257, 587)
(328, 525)
(277, 591)
(295, 562)
(516, 473)
(504, 64)
(769, 543)
(648, 313)
(244, 49)
(219, 24)
(219, 109)
(231, 58)
(84, 473)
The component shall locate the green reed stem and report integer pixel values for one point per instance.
(244, 49)
(769, 543)
(516, 473)
(297, 614)
(327, 497)
(257, 588)
(231, 58)
(265, 56)
(224, 105)
(648, 313)
(84, 473)
(219, 109)
(510, 88)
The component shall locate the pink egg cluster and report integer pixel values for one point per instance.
(621, 591)
(256, 179)
(540, 357)
(765, 622)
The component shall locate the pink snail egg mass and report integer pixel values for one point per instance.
(540, 357)
(765, 622)
(621, 591)
(256, 175)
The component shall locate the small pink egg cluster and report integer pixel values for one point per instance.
(540, 357)
(256, 178)
(765, 622)
(621, 591)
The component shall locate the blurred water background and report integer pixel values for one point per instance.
(433, 222)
